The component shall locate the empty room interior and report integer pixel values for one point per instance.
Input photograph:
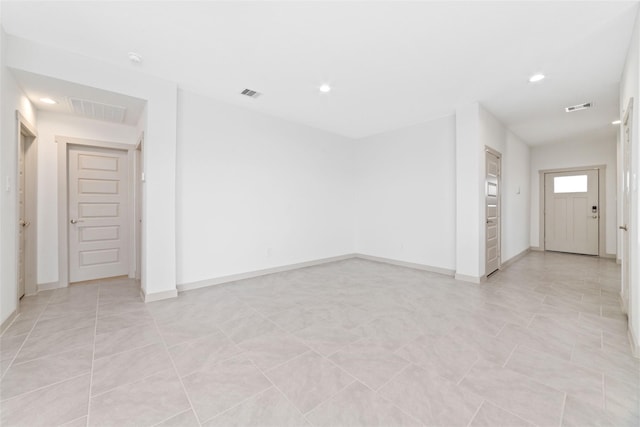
(311, 213)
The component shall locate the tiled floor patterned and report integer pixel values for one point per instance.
(349, 343)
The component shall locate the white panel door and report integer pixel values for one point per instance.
(572, 212)
(492, 205)
(22, 241)
(98, 213)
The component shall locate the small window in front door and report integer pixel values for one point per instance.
(570, 184)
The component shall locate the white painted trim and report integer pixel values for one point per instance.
(158, 296)
(602, 197)
(49, 286)
(471, 279)
(635, 348)
(31, 204)
(515, 258)
(8, 321)
(424, 267)
(248, 275)
(63, 204)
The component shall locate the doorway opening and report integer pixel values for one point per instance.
(96, 202)
(493, 161)
(626, 205)
(27, 203)
(572, 210)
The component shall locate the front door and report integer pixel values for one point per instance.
(572, 212)
(492, 209)
(98, 213)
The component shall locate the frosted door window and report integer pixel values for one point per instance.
(570, 184)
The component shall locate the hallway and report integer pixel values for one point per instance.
(353, 342)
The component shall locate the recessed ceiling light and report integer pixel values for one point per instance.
(536, 78)
(325, 88)
(616, 122)
(48, 101)
(135, 57)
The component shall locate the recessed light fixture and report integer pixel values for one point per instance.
(536, 78)
(325, 88)
(135, 57)
(48, 101)
(616, 122)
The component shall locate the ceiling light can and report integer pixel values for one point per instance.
(325, 88)
(536, 78)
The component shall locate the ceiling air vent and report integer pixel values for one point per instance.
(578, 107)
(250, 93)
(98, 111)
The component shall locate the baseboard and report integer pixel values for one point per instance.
(635, 349)
(158, 296)
(537, 249)
(619, 261)
(515, 258)
(413, 265)
(608, 256)
(49, 286)
(471, 279)
(8, 321)
(256, 273)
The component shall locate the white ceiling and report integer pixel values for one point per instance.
(37, 86)
(391, 64)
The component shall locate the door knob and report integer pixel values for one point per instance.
(623, 227)
(24, 223)
(75, 221)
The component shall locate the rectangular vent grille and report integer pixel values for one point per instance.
(250, 93)
(98, 111)
(578, 107)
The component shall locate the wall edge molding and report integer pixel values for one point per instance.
(182, 287)
(8, 321)
(158, 296)
(49, 286)
(424, 267)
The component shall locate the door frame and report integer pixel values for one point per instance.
(602, 220)
(63, 199)
(31, 204)
(627, 123)
(496, 153)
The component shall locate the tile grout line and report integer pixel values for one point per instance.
(169, 417)
(93, 354)
(564, 406)
(45, 386)
(264, 374)
(175, 370)
(475, 414)
(25, 340)
(478, 358)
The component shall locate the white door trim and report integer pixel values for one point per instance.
(31, 202)
(625, 206)
(63, 198)
(602, 207)
(499, 202)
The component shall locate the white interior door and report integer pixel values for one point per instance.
(626, 211)
(22, 241)
(492, 202)
(99, 238)
(572, 212)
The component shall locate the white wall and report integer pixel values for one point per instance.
(630, 89)
(12, 99)
(576, 154)
(255, 192)
(159, 245)
(50, 125)
(405, 184)
(516, 197)
(515, 180)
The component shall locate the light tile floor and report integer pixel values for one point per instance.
(350, 343)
